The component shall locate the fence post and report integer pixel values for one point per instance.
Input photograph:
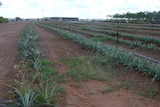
(117, 37)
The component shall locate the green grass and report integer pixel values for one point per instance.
(47, 63)
(106, 63)
(116, 86)
(108, 89)
(48, 69)
(82, 69)
(126, 84)
(149, 92)
(49, 72)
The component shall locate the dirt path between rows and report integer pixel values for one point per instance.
(9, 36)
(56, 48)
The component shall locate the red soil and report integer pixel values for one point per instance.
(9, 36)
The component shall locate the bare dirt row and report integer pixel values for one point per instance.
(9, 36)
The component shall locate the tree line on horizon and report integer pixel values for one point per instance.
(3, 20)
(151, 17)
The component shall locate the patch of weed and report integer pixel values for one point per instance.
(47, 63)
(61, 90)
(48, 69)
(150, 92)
(125, 84)
(59, 78)
(108, 89)
(48, 72)
(106, 63)
(81, 69)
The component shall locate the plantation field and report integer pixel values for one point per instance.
(140, 43)
(85, 60)
(123, 84)
(87, 90)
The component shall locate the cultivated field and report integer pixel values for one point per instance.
(83, 64)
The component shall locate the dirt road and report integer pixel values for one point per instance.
(89, 94)
(9, 36)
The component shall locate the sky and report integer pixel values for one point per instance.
(84, 9)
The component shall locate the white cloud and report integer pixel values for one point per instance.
(74, 8)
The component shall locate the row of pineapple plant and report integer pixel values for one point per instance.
(144, 39)
(123, 27)
(141, 31)
(155, 27)
(141, 38)
(136, 43)
(134, 62)
(30, 88)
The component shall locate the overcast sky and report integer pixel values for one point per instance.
(74, 8)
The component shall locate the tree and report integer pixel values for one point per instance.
(130, 15)
(18, 19)
(0, 3)
(3, 20)
(118, 16)
(150, 17)
(157, 18)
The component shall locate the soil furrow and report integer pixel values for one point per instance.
(9, 35)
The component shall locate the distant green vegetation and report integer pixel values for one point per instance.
(3, 20)
(18, 19)
(145, 16)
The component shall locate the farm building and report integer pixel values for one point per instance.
(61, 19)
